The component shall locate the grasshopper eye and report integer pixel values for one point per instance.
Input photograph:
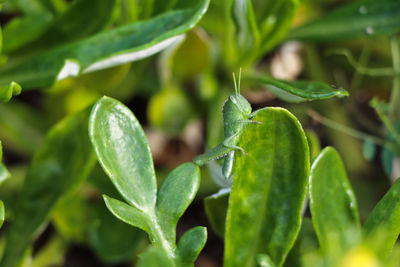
(233, 100)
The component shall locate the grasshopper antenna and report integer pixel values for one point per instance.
(234, 82)
(237, 84)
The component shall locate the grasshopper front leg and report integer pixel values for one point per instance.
(215, 153)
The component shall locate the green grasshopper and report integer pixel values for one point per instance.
(237, 115)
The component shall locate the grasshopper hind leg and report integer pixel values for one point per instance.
(227, 167)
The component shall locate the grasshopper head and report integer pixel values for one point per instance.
(242, 104)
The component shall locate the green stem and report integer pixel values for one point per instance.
(362, 69)
(394, 113)
(352, 132)
(388, 124)
(159, 239)
(363, 61)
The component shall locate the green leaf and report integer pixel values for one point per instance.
(68, 26)
(22, 127)
(8, 91)
(57, 169)
(299, 91)
(216, 207)
(4, 174)
(176, 193)
(1, 213)
(127, 213)
(112, 240)
(268, 190)
(155, 257)
(121, 45)
(333, 204)
(190, 245)
(247, 34)
(387, 157)
(369, 149)
(21, 31)
(356, 19)
(264, 260)
(123, 152)
(385, 220)
(277, 22)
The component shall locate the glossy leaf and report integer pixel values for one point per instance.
(268, 190)
(68, 26)
(8, 91)
(385, 220)
(299, 91)
(121, 45)
(190, 245)
(247, 34)
(21, 31)
(336, 222)
(123, 152)
(356, 19)
(216, 207)
(155, 257)
(57, 169)
(128, 214)
(176, 193)
(264, 260)
(276, 22)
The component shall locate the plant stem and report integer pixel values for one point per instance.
(159, 239)
(352, 132)
(394, 113)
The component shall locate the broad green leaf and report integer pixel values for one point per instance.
(21, 31)
(30, 6)
(216, 207)
(190, 245)
(353, 20)
(170, 110)
(176, 193)
(268, 190)
(299, 91)
(336, 222)
(385, 220)
(1, 213)
(8, 91)
(124, 153)
(57, 169)
(127, 213)
(155, 257)
(22, 127)
(68, 26)
(121, 45)
(4, 174)
(264, 260)
(247, 34)
(276, 22)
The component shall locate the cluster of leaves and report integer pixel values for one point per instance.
(260, 213)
